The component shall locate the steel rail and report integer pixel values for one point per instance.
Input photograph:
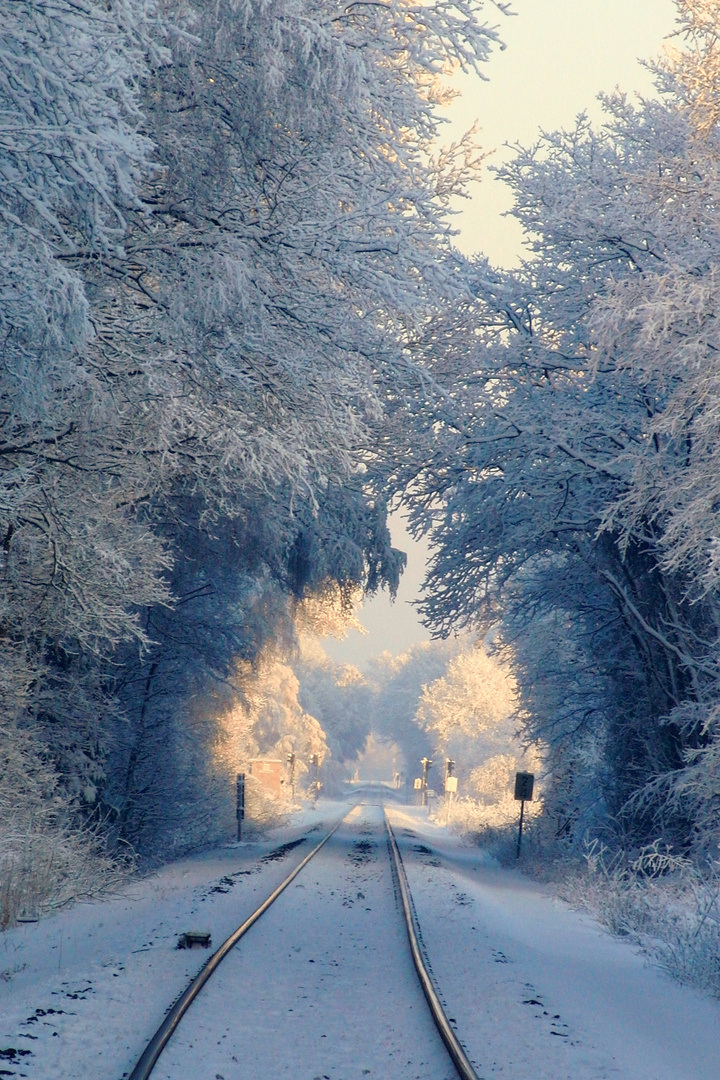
(459, 1057)
(146, 1063)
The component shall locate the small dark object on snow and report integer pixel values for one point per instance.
(194, 937)
(11, 1054)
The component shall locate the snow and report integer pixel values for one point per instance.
(323, 985)
(540, 990)
(326, 988)
(110, 969)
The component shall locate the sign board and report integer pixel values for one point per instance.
(524, 786)
(451, 784)
(417, 783)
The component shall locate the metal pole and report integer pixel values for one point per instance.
(291, 763)
(449, 771)
(240, 803)
(519, 843)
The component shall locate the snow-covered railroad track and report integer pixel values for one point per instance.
(457, 1053)
(262, 1013)
(155, 1047)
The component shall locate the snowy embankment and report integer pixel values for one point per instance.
(82, 991)
(540, 990)
(323, 986)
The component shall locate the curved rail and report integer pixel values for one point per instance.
(448, 1036)
(157, 1044)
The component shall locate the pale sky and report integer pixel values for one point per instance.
(560, 54)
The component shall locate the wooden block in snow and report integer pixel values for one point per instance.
(194, 937)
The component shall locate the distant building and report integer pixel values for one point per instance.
(269, 772)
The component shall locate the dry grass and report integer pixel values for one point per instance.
(668, 905)
(41, 871)
(490, 823)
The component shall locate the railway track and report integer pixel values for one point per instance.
(147, 1062)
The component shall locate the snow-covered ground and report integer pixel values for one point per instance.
(539, 990)
(82, 992)
(323, 986)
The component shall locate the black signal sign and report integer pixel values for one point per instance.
(524, 786)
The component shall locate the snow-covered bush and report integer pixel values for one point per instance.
(46, 858)
(262, 811)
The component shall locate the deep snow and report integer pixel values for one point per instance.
(323, 985)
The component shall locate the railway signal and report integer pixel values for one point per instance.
(524, 782)
(426, 765)
(450, 786)
(291, 763)
(240, 803)
(315, 761)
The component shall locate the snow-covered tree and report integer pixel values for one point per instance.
(251, 326)
(470, 715)
(76, 560)
(72, 150)
(569, 471)
(339, 697)
(398, 682)
(472, 697)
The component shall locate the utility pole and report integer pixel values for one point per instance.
(291, 763)
(426, 764)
